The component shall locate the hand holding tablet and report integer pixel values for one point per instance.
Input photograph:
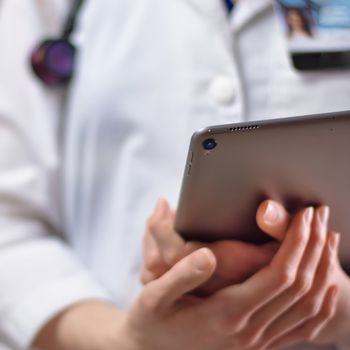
(300, 294)
(281, 292)
(297, 162)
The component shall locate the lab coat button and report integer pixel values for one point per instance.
(223, 90)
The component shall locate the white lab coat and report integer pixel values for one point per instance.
(77, 183)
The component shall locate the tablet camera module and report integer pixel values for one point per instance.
(209, 144)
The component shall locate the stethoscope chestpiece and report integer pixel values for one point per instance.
(53, 61)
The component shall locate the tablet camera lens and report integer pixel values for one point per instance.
(209, 144)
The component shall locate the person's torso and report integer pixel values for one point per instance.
(150, 74)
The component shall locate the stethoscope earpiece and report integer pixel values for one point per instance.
(53, 61)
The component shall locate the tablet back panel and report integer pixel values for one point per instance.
(296, 161)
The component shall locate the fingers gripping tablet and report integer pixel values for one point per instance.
(298, 162)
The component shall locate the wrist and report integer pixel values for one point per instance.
(126, 337)
(92, 325)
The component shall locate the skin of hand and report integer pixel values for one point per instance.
(236, 261)
(255, 314)
(249, 315)
(90, 325)
(292, 298)
(274, 220)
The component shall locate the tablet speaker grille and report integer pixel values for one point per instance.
(244, 128)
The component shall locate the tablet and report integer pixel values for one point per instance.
(296, 161)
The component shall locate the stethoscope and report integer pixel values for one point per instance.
(53, 59)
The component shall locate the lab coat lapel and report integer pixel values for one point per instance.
(208, 8)
(246, 11)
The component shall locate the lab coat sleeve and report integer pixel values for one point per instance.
(39, 274)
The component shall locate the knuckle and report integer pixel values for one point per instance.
(331, 261)
(155, 265)
(300, 237)
(245, 341)
(144, 277)
(147, 302)
(328, 314)
(310, 335)
(152, 262)
(152, 224)
(183, 279)
(286, 278)
(303, 284)
(311, 308)
(328, 269)
(233, 323)
(248, 339)
(318, 238)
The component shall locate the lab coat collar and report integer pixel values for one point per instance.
(246, 11)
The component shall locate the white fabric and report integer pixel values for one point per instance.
(145, 79)
(39, 275)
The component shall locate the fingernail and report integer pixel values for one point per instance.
(202, 260)
(309, 212)
(334, 241)
(271, 214)
(323, 214)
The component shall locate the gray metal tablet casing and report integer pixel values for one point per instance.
(296, 161)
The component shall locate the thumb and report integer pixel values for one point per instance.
(273, 219)
(185, 276)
